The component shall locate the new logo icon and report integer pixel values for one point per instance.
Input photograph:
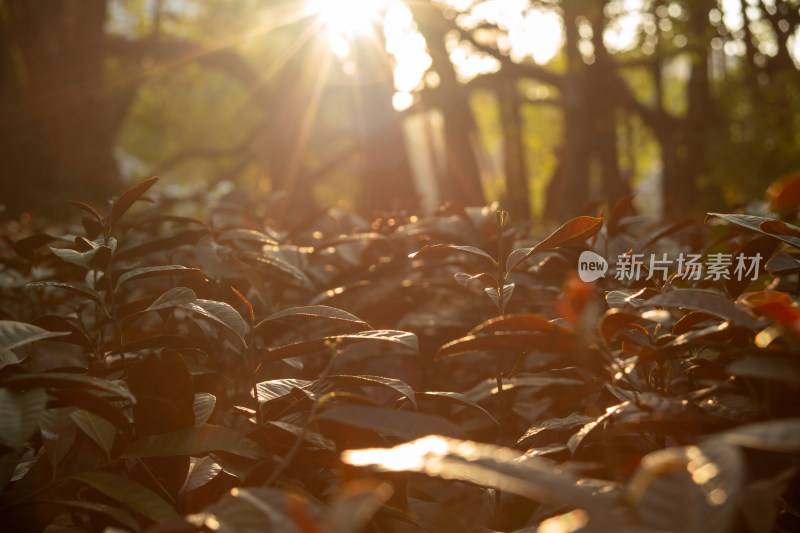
(591, 266)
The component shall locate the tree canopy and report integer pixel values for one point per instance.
(548, 106)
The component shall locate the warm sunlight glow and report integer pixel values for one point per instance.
(347, 18)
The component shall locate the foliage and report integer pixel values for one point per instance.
(167, 373)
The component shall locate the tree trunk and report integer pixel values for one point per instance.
(517, 190)
(462, 180)
(60, 117)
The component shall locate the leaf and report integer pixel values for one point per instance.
(252, 510)
(120, 516)
(243, 234)
(784, 193)
(554, 341)
(464, 279)
(204, 404)
(576, 230)
(459, 398)
(399, 338)
(195, 441)
(752, 222)
(153, 271)
(278, 388)
(694, 489)
(77, 288)
(448, 248)
(396, 384)
(127, 199)
(87, 208)
(782, 263)
(185, 238)
(482, 464)
(355, 503)
(59, 380)
(620, 207)
(130, 493)
(516, 322)
(390, 422)
(220, 312)
(172, 298)
(312, 437)
(279, 264)
(576, 439)
(15, 334)
(779, 227)
(776, 367)
(705, 301)
(58, 432)
(19, 415)
(201, 472)
(781, 435)
(314, 312)
(508, 290)
(26, 247)
(98, 429)
(535, 435)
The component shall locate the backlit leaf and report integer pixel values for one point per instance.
(576, 230)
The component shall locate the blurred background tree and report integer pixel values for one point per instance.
(548, 106)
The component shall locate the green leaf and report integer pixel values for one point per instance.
(554, 341)
(120, 516)
(15, 334)
(508, 290)
(311, 437)
(754, 223)
(448, 248)
(576, 230)
(400, 386)
(87, 259)
(201, 472)
(355, 503)
(195, 441)
(277, 388)
(127, 199)
(153, 271)
(705, 301)
(172, 298)
(242, 234)
(76, 288)
(130, 493)
(482, 464)
(19, 415)
(58, 434)
(400, 338)
(389, 422)
(314, 312)
(204, 404)
(220, 312)
(98, 429)
(275, 262)
(693, 488)
(57, 380)
(775, 435)
(250, 510)
(459, 398)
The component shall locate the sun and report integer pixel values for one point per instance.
(348, 18)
